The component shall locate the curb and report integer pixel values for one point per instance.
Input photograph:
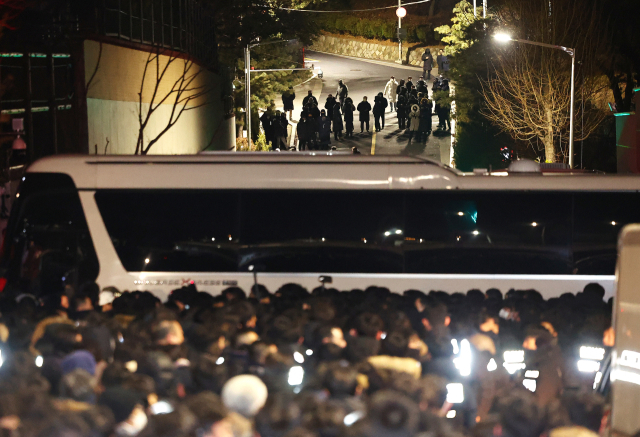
(372, 61)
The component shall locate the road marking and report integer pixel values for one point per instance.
(373, 143)
(311, 60)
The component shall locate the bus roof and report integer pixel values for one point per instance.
(307, 170)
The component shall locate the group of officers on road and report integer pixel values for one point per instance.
(411, 103)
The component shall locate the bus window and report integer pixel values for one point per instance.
(172, 230)
(598, 219)
(280, 230)
(48, 244)
(489, 232)
(324, 231)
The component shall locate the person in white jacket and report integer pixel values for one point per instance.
(390, 91)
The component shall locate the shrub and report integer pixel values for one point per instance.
(421, 33)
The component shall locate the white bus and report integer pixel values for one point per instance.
(158, 223)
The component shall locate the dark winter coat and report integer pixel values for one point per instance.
(314, 111)
(425, 117)
(324, 131)
(308, 100)
(343, 91)
(281, 126)
(329, 105)
(409, 85)
(427, 60)
(439, 61)
(303, 130)
(348, 110)
(268, 126)
(402, 106)
(445, 63)
(364, 108)
(380, 104)
(422, 87)
(287, 100)
(337, 118)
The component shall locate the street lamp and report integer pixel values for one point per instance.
(247, 78)
(401, 13)
(503, 37)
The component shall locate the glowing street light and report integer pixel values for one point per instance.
(400, 13)
(503, 37)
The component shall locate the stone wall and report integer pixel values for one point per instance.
(371, 49)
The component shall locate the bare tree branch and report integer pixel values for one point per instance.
(183, 95)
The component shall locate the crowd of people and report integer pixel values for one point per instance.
(411, 103)
(294, 363)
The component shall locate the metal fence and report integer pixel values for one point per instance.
(181, 25)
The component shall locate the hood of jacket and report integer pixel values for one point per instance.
(399, 364)
(415, 109)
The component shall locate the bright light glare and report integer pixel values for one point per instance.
(296, 374)
(220, 361)
(534, 224)
(146, 260)
(131, 366)
(531, 374)
(591, 353)
(529, 384)
(39, 361)
(386, 234)
(476, 232)
(597, 380)
(451, 414)
(513, 356)
(353, 417)
(298, 357)
(514, 367)
(383, 335)
(623, 375)
(492, 365)
(1, 358)
(460, 213)
(456, 349)
(398, 231)
(309, 352)
(613, 223)
(455, 393)
(588, 366)
(502, 37)
(161, 407)
(463, 362)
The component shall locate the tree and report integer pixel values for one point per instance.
(620, 59)
(455, 36)
(528, 94)
(167, 79)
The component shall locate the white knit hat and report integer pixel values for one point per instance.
(244, 394)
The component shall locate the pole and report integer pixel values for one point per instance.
(247, 78)
(571, 52)
(475, 14)
(399, 39)
(484, 8)
(571, 116)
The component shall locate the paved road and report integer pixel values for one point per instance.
(368, 78)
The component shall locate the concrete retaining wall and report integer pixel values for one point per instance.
(371, 49)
